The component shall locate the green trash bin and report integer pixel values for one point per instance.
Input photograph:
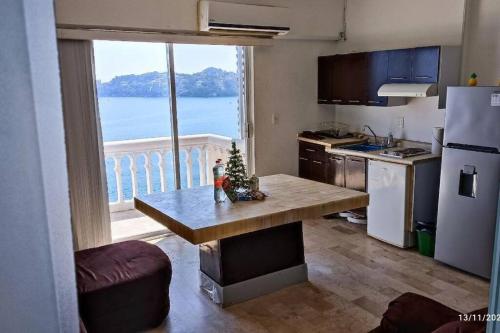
(426, 238)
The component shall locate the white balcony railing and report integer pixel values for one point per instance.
(209, 148)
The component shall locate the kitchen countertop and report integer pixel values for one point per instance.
(331, 142)
(374, 155)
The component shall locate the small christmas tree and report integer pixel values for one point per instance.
(235, 169)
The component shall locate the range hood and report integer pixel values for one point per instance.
(408, 90)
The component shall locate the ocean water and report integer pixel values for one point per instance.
(127, 118)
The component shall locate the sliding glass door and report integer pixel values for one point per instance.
(210, 112)
(133, 99)
(145, 128)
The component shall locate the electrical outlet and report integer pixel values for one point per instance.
(401, 122)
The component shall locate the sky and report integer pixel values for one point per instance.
(119, 58)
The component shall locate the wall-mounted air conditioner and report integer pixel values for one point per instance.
(239, 19)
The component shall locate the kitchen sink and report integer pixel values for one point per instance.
(363, 147)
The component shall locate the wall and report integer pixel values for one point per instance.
(312, 19)
(427, 23)
(37, 280)
(285, 84)
(388, 24)
(420, 116)
(482, 41)
(285, 74)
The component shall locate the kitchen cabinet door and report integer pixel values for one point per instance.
(336, 170)
(338, 83)
(354, 78)
(312, 161)
(400, 63)
(425, 64)
(318, 170)
(304, 167)
(312, 169)
(377, 75)
(349, 80)
(387, 209)
(355, 173)
(325, 76)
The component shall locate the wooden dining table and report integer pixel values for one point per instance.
(249, 248)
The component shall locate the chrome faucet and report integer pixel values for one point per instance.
(370, 129)
(389, 141)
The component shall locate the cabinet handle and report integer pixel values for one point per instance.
(322, 100)
(423, 77)
(336, 100)
(354, 101)
(310, 150)
(398, 78)
(374, 102)
(303, 159)
(317, 162)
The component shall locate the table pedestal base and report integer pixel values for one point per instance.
(242, 267)
(261, 285)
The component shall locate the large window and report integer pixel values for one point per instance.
(141, 122)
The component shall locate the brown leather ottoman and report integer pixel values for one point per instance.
(123, 287)
(413, 313)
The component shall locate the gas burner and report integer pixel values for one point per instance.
(404, 152)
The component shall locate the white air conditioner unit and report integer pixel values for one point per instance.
(239, 19)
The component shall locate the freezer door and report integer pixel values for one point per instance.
(471, 118)
(468, 199)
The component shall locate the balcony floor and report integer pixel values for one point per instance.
(132, 224)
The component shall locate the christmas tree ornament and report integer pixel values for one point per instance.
(253, 183)
(258, 195)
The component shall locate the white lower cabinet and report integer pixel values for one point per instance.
(387, 208)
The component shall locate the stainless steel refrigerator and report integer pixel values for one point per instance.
(470, 176)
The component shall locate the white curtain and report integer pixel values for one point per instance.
(86, 169)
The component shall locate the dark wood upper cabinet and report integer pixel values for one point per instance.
(355, 78)
(325, 77)
(425, 64)
(399, 70)
(377, 75)
(344, 80)
(340, 72)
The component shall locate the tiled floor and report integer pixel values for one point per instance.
(132, 224)
(352, 277)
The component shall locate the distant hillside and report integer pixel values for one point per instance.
(211, 82)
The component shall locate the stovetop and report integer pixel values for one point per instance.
(404, 152)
